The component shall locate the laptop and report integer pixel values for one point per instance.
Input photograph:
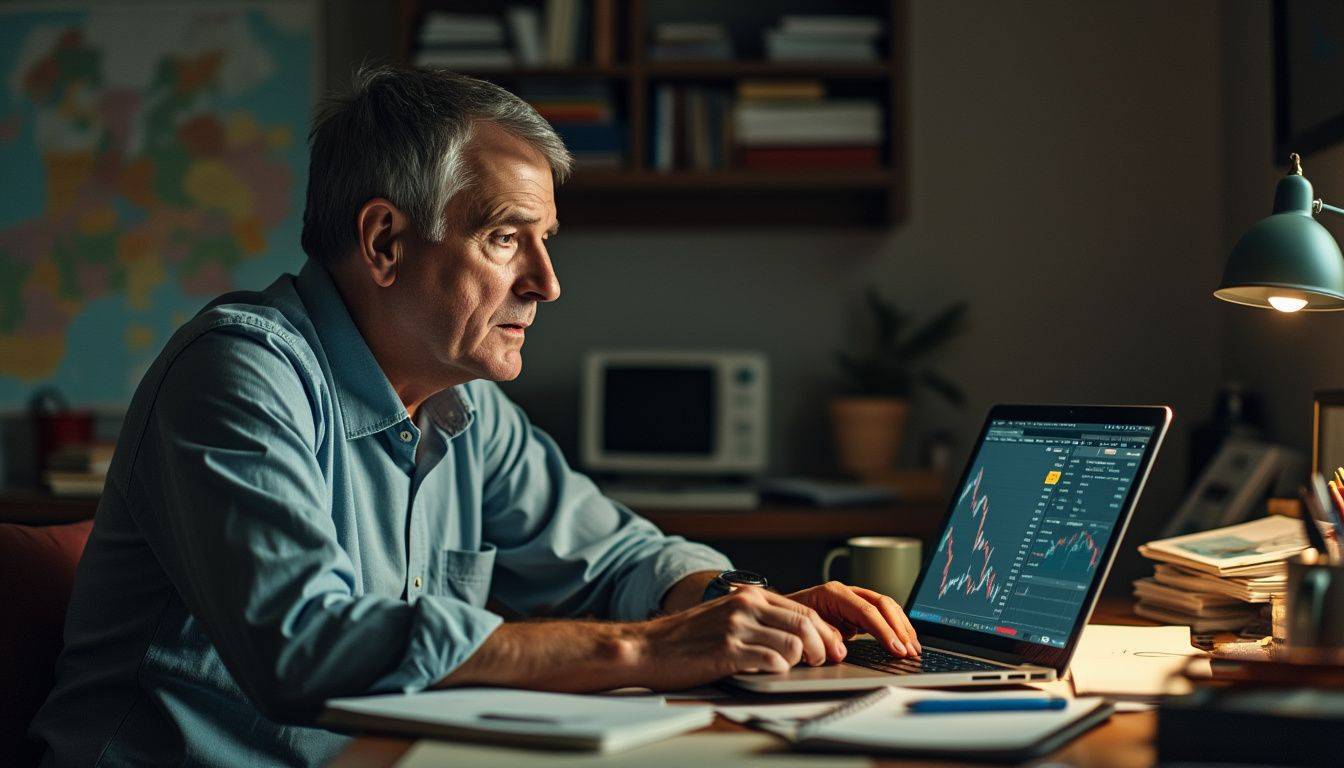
(1027, 542)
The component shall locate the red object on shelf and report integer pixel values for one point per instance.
(810, 157)
(60, 430)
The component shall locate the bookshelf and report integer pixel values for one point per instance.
(615, 50)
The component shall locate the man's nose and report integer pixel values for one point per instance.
(539, 282)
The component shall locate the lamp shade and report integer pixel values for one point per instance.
(1288, 258)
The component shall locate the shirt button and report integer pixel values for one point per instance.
(406, 435)
(416, 582)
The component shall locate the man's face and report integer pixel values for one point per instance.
(473, 295)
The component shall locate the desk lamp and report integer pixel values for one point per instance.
(1287, 261)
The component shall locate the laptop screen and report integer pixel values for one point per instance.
(1029, 526)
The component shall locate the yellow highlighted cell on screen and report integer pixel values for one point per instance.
(1051, 478)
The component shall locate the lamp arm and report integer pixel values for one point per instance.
(1319, 205)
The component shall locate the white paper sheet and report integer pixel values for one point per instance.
(1117, 661)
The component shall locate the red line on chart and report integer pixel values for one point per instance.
(968, 582)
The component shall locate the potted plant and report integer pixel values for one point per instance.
(869, 419)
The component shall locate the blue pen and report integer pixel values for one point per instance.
(930, 706)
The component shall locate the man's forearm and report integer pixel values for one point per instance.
(570, 656)
(687, 592)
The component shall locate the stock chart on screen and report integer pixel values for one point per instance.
(1029, 527)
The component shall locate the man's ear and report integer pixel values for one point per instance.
(383, 232)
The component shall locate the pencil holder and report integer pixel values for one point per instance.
(1315, 615)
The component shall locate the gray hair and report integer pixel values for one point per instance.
(400, 134)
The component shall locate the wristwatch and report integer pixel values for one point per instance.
(728, 581)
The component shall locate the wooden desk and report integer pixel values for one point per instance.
(1124, 741)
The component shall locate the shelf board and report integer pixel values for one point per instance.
(855, 178)
(731, 69)
(614, 71)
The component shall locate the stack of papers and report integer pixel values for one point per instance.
(1211, 580)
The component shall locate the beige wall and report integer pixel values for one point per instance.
(1286, 357)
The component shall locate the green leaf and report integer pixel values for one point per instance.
(945, 387)
(933, 334)
(889, 320)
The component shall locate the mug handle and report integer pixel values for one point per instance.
(830, 559)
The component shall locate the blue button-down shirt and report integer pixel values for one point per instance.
(276, 531)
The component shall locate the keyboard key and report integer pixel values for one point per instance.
(869, 653)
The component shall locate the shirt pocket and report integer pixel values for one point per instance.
(465, 573)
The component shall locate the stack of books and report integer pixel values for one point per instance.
(470, 41)
(1219, 579)
(690, 41)
(791, 125)
(79, 470)
(584, 116)
(691, 128)
(824, 38)
(462, 41)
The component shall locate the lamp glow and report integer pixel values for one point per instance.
(1287, 303)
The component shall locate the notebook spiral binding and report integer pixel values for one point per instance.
(806, 725)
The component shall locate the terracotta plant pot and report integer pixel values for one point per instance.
(868, 432)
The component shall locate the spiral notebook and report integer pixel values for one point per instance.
(518, 718)
(879, 722)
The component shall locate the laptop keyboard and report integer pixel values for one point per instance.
(871, 654)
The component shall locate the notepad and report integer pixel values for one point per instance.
(520, 718)
(880, 722)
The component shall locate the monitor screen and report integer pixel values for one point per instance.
(659, 410)
(1029, 528)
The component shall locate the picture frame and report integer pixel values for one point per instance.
(1327, 431)
(1308, 66)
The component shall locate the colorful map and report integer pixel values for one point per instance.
(152, 157)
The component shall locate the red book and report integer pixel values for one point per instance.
(810, 157)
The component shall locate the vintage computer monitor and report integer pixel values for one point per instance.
(700, 416)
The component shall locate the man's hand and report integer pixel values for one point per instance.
(751, 630)
(852, 610)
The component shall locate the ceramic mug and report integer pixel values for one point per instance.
(886, 564)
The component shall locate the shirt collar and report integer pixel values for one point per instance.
(367, 401)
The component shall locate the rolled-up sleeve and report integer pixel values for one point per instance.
(563, 547)
(242, 524)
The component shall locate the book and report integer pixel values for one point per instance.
(1188, 601)
(463, 58)
(525, 31)
(880, 722)
(863, 27)
(1258, 548)
(441, 28)
(563, 26)
(1251, 590)
(75, 483)
(781, 90)
(517, 717)
(604, 32)
(787, 46)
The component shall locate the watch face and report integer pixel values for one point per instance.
(744, 578)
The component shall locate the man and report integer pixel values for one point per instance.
(318, 487)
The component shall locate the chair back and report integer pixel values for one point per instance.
(37, 572)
